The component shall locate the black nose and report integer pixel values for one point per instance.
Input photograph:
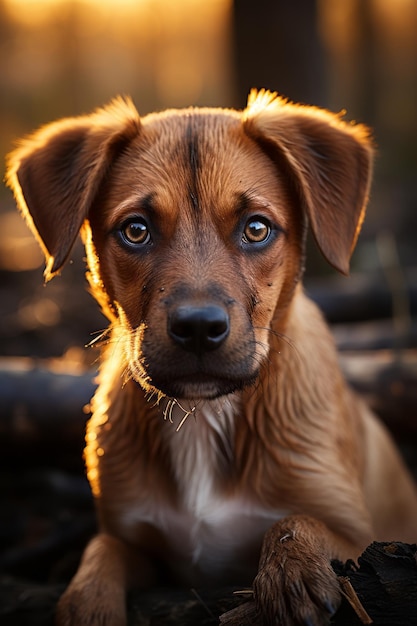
(199, 329)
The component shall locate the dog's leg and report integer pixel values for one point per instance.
(96, 595)
(296, 583)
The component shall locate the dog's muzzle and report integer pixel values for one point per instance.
(206, 352)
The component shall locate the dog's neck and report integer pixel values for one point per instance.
(201, 448)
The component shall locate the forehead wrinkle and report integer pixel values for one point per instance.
(192, 160)
(192, 145)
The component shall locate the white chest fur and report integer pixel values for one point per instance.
(209, 533)
(210, 530)
(194, 450)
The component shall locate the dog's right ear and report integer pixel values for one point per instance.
(56, 173)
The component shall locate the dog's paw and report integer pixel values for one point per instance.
(89, 606)
(295, 585)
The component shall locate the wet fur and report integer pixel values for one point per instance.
(258, 449)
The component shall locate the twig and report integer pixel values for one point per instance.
(351, 596)
(204, 605)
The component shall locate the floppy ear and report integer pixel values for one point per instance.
(329, 161)
(56, 173)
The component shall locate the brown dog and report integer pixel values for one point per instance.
(194, 224)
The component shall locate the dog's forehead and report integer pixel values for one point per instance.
(180, 124)
(194, 139)
(202, 154)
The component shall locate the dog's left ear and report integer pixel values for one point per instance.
(56, 174)
(330, 163)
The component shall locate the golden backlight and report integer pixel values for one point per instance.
(26, 10)
(191, 11)
(176, 51)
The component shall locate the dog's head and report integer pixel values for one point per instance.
(194, 224)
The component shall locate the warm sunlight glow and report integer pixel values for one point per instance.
(176, 50)
(35, 5)
(40, 10)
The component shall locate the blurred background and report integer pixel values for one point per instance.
(66, 57)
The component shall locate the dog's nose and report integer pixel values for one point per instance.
(199, 329)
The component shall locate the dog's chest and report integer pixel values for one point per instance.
(213, 531)
(213, 527)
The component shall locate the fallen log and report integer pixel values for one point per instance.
(383, 587)
(44, 409)
(386, 334)
(362, 297)
(388, 383)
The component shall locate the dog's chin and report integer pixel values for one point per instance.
(201, 388)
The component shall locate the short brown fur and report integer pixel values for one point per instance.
(211, 335)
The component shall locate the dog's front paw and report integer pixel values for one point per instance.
(295, 585)
(89, 606)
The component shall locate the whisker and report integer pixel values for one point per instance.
(278, 335)
(127, 374)
(171, 404)
(151, 393)
(168, 410)
(101, 336)
(187, 414)
(285, 338)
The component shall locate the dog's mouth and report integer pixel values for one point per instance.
(201, 362)
(201, 386)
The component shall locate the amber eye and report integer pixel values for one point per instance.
(257, 230)
(136, 232)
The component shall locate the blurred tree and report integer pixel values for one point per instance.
(277, 46)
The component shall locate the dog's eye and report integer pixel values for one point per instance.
(257, 230)
(136, 232)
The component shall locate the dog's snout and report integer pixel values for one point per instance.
(199, 329)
